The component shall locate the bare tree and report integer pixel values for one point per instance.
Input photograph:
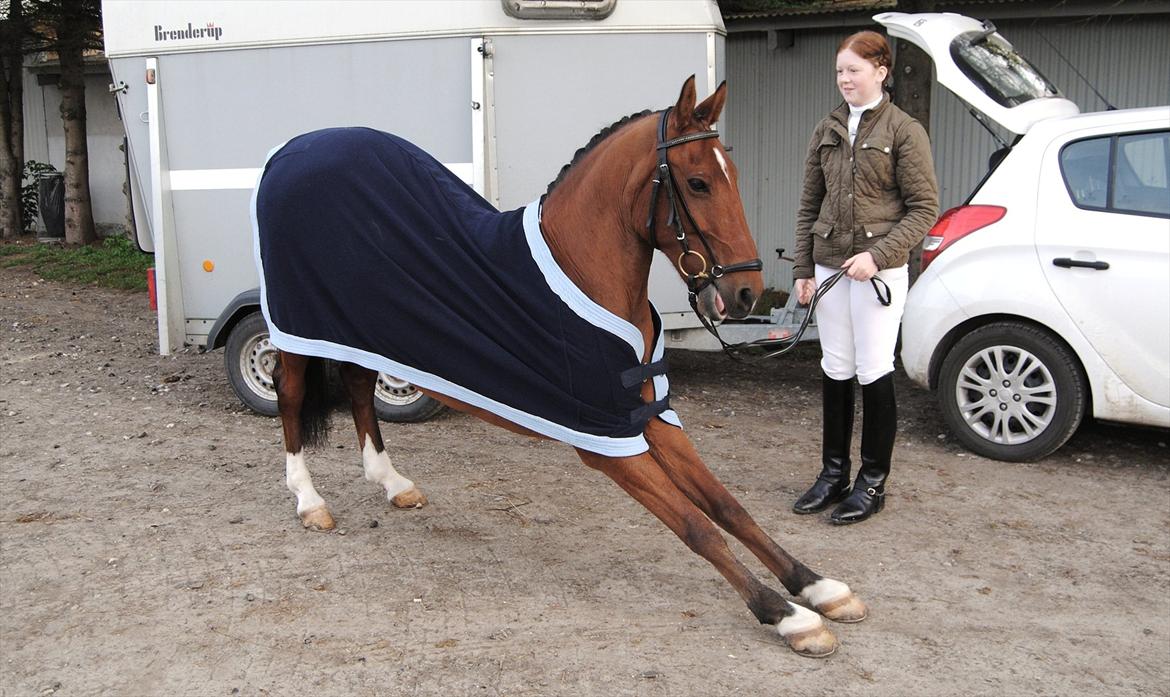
(13, 34)
(73, 28)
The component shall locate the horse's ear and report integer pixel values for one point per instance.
(684, 109)
(708, 112)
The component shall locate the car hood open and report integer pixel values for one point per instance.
(980, 67)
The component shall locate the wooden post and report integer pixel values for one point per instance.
(913, 78)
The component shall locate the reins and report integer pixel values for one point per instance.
(708, 275)
(789, 342)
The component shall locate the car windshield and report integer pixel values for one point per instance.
(993, 65)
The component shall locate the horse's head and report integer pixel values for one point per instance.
(701, 224)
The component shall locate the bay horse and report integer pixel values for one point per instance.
(652, 181)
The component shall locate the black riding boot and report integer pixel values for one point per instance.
(879, 424)
(837, 425)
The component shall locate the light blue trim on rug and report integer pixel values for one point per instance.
(568, 291)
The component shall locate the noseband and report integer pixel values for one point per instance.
(707, 274)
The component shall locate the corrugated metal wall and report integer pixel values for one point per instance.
(777, 97)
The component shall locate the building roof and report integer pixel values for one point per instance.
(759, 9)
(760, 15)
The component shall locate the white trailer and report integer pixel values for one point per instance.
(502, 91)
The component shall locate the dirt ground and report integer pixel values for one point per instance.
(148, 545)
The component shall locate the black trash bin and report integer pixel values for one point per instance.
(51, 204)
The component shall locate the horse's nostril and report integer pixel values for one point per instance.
(747, 299)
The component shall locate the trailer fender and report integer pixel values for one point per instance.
(242, 304)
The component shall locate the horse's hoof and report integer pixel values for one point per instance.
(834, 600)
(848, 609)
(318, 519)
(807, 634)
(411, 498)
(816, 643)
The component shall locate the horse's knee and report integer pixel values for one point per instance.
(729, 513)
(701, 536)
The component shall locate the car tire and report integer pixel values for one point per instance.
(399, 401)
(249, 358)
(1011, 391)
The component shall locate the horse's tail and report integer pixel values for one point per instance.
(315, 407)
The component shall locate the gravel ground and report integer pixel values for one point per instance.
(148, 545)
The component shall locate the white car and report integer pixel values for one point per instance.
(1047, 295)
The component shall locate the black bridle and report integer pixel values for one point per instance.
(710, 270)
(709, 275)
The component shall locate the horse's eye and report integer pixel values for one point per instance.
(697, 185)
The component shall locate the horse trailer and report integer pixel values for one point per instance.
(502, 92)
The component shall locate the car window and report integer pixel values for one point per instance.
(1140, 176)
(998, 70)
(1127, 174)
(1085, 165)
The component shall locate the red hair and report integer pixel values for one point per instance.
(871, 46)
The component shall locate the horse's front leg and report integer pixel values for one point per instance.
(359, 384)
(675, 453)
(642, 478)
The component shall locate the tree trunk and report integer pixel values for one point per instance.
(11, 121)
(79, 227)
(15, 40)
(10, 167)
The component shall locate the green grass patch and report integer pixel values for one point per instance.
(115, 262)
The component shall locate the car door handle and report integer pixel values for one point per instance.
(1066, 263)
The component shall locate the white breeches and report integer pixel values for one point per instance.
(858, 334)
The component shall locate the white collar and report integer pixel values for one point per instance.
(857, 110)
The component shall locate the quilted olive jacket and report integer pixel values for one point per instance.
(879, 195)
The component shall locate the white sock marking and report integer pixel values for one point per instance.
(801, 620)
(296, 477)
(722, 161)
(380, 471)
(823, 591)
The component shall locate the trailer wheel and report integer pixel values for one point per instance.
(398, 400)
(249, 358)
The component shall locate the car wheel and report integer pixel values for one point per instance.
(249, 358)
(398, 400)
(1010, 391)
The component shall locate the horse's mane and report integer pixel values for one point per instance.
(601, 135)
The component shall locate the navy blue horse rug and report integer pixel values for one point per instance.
(372, 252)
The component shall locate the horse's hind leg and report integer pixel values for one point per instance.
(292, 388)
(642, 478)
(673, 450)
(359, 383)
